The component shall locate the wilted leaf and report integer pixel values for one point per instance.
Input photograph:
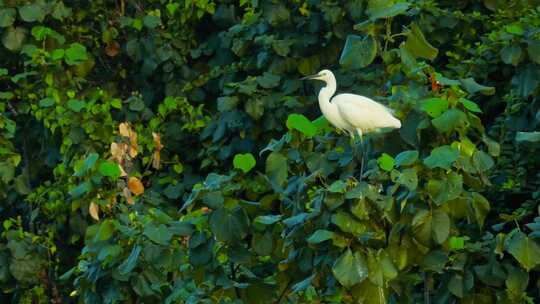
(135, 186)
(127, 195)
(93, 210)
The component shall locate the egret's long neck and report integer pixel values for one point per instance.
(325, 94)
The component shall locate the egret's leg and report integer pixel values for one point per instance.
(363, 153)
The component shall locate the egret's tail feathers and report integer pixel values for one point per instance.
(397, 124)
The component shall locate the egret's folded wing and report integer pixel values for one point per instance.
(364, 113)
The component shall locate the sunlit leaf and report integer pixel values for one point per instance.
(244, 162)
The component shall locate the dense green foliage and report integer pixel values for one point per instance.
(166, 151)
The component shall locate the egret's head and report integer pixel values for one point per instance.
(324, 75)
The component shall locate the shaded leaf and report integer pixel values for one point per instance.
(359, 51)
(441, 157)
(277, 168)
(417, 44)
(350, 269)
(320, 236)
(525, 250)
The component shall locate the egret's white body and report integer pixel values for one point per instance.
(355, 114)
(350, 112)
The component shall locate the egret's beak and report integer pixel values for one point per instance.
(315, 76)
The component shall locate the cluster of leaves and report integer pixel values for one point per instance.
(167, 151)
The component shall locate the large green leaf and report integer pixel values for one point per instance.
(13, 38)
(525, 250)
(533, 50)
(473, 87)
(480, 207)
(386, 162)
(449, 188)
(268, 80)
(359, 52)
(350, 269)
(159, 234)
(440, 226)
(244, 162)
(526, 80)
(301, 123)
(441, 157)
(76, 54)
(32, 12)
(7, 16)
(320, 236)
(417, 44)
(131, 262)
(406, 158)
(450, 120)
(511, 54)
(434, 106)
(385, 9)
(277, 168)
(229, 225)
(109, 169)
(528, 136)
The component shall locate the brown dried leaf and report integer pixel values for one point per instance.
(124, 129)
(133, 147)
(127, 195)
(157, 141)
(93, 209)
(136, 186)
(156, 160)
(112, 49)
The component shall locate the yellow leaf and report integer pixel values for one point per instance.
(118, 151)
(156, 159)
(157, 141)
(133, 149)
(93, 209)
(124, 129)
(135, 186)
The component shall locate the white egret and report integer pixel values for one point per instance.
(352, 113)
